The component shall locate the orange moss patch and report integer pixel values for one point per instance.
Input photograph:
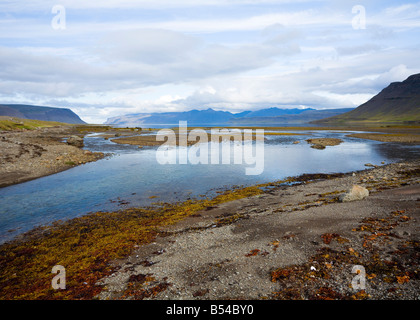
(136, 291)
(328, 237)
(315, 278)
(86, 245)
(252, 253)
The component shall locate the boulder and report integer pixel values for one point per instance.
(318, 146)
(75, 141)
(370, 165)
(355, 193)
(321, 143)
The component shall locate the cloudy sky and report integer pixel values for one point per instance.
(107, 58)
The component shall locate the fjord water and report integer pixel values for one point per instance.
(133, 177)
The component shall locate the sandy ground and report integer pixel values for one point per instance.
(27, 155)
(295, 242)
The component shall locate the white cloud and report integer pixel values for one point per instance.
(119, 57)
(35, 5)
(124, 60)
(358, 49)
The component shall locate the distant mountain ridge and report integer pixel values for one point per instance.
(274, 112)
(210, 116)
(305, 116)
(25, 111)
(399, 102)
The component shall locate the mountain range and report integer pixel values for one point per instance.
(210, 116)
(399, 102)
(305, 116)
(40, 113)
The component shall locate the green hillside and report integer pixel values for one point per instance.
(13, 123)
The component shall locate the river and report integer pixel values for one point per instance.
(133, 177)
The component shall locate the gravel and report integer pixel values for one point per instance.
(27, 155)
(288, 228)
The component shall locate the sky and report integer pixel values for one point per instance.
(108, 58)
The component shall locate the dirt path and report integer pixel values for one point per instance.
(294, 242)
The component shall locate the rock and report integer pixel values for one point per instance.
(318, 146)
(321, 143)
(355, 193)
(296, 142)
(369, 165)
(75, 141)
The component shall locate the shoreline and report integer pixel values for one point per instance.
(123, 254)
(292, 242)
(187, 219)
(32, 154)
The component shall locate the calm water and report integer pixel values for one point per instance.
(131, 175)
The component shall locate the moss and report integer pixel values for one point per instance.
(311, 280)
(143, 286)
(86, 245)
(16, 124)
(253, 253)
(328, 237)
(322, 195)
(222, 221)
(410, 173)
(306, 283)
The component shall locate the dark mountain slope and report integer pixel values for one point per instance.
(399, 102)
(40, 113)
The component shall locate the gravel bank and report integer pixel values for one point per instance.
(295, 242)
(27, 155)
(412, 138)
